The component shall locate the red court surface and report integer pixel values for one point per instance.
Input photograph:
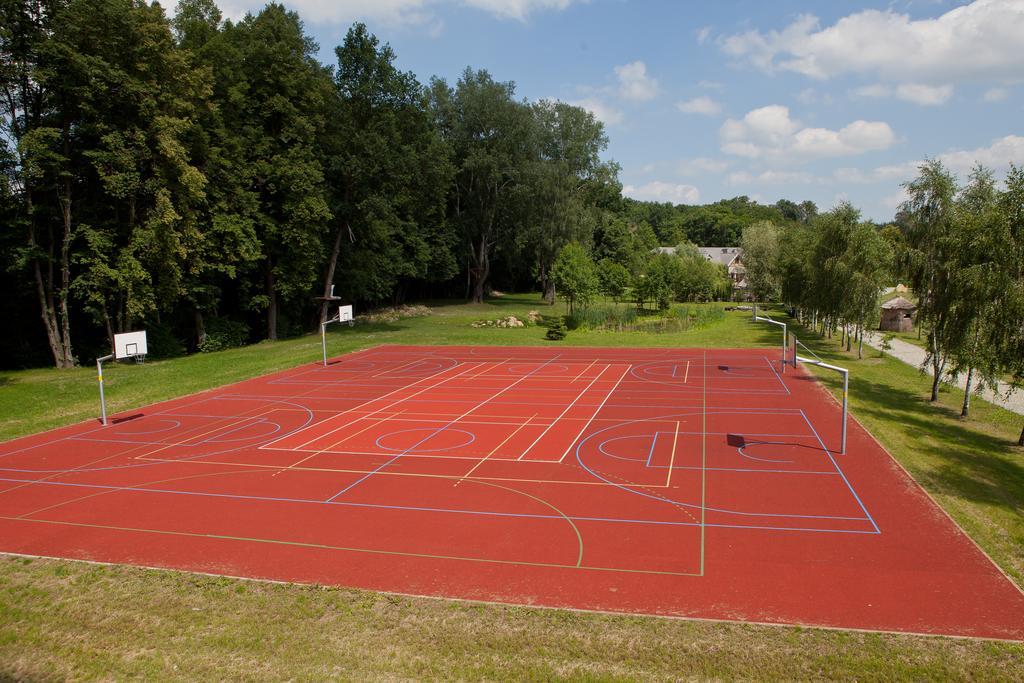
(685, 482)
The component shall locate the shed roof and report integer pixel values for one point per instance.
(898, 304)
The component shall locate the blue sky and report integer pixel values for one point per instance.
(802, 99)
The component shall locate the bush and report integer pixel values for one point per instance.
(162, 343)
(222, 333)
(556, 329)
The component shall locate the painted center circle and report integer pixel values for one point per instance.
(425, 440)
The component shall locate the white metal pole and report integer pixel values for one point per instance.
(846, 393)
(323, 340)
(99, 377)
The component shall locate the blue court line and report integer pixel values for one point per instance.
(669, 501)
(650, 454)
(776, 375)
(413, 508)
(840, 471)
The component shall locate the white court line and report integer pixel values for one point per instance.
(584, 370)
(486, 370)
(328, 449)
(687, 376)
(392, 404)
(592, 417)
(555, 421)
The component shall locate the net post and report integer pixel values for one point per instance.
(784, 338)
(99, 377)
(846, 394)
(323, 339)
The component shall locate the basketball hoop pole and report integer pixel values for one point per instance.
(99, 376)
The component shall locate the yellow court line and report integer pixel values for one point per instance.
(393, 403)
(322, 546)
(507, 439)
(341, 470)
(585, 390)
(672, 460)
(599, 407)
(403, 365)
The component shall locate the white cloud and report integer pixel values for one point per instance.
(700, 105)
(412, 12)
(773, 177)
(977, 42)
(711, 85)
(517, 9)
(996, 94)
(701, 166)
(703, 35)
(873, 90)
(770, 133)
(893, 201)
(634, 83)
(997, 156)
(659, 191)
(601, 110)
(918, 93)
(925, 95)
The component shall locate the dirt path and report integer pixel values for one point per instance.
(914, 355)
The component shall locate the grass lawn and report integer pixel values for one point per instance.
(63, 619)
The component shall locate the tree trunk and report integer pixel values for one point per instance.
(1020, 441)
(200, 329)
(967, 394)
(860, 343)
(68, 360)
(329, 275)
(481, 270)
(937, 367)
(271, 304)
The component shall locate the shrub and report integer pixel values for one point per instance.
(162, 343)
(222, 333)
(556, 329)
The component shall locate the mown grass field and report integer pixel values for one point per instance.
(64, 619)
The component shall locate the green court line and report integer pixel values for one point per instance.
(703, 458)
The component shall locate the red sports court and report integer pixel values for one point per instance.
(683, 482)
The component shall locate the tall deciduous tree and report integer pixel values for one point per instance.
(491, 135)
(281, 112)
(390, 173)
(36, 123)
(931, 244)
(760, 244)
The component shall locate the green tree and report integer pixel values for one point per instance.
(390, 173)
(613, 278)
(32, 119)
(575, 276)
(931, 245)
(761, 249)
(281, 112)
(493, 142)
(657, 282)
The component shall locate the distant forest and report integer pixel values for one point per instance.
(206, 180)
